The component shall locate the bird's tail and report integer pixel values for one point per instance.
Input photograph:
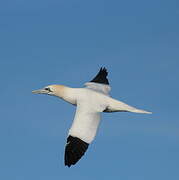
(118, 106)
(140, 111)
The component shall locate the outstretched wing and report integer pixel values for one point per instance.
(100, 82)
(101, 77)
(74, 150)
(81, 133)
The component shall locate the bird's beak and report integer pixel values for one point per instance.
(40, 91)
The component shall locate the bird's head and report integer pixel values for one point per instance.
(54, 90)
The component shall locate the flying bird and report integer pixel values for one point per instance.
(90, 102)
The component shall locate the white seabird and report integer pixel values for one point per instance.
(91, 101)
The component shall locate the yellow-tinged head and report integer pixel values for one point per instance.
(54, 90)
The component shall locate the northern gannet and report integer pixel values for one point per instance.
(91, 101)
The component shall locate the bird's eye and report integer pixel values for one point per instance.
(47, 89)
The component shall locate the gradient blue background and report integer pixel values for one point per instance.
(44, 42)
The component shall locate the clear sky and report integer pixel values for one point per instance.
(46, 42)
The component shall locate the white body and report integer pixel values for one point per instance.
(90, 103)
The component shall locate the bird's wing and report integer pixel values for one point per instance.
(102, 88)
(100, 82)
(81, 133)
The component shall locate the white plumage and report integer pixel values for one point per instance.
(91, 101)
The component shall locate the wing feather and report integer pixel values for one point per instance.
(102, 88)
(81, 133)
(74, 150)
(100, 82)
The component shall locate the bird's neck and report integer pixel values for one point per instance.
(66, 93)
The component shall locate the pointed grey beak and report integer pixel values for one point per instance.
(40, 91)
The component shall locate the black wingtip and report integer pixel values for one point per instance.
(74, 150)
(101, 77)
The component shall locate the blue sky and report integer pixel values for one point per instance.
(66, 42)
